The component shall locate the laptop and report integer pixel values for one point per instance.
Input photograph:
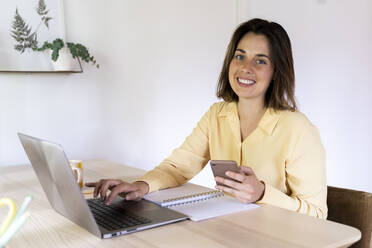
(56, 177)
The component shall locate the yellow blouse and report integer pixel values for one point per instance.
(284, 151)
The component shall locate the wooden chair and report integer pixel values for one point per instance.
(353, 208)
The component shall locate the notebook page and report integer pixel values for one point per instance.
(212, 208)
(184, 190)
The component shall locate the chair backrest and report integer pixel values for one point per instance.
(353, 208)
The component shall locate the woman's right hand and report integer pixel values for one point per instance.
(130, 191)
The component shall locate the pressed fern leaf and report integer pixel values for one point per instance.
(21, 32)
(42, 11)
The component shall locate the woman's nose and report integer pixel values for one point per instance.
(246, 67)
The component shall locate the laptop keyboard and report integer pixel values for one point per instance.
(113, 218)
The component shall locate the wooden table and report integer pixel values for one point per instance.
(266, 226)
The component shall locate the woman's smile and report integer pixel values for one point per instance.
(245, 82)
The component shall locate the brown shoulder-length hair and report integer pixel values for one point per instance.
(280, 93)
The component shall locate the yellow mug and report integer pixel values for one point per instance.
(77, 168)
(10, 215)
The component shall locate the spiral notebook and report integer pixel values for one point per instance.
(198, 202)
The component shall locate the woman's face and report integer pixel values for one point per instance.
(251, 69)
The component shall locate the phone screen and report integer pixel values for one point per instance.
(219, 168)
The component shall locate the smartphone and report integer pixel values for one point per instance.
(219, 168)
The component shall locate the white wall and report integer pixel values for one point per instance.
(164, 77)
(160, 61)
(65, 108)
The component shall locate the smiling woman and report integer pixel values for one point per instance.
(281, 157)
(273, 49)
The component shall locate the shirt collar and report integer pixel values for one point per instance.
(231, 108)
(267, 122)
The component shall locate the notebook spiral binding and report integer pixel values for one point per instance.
(191, 198)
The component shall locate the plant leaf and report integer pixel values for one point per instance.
(20, 32)
(46, 21)
(42, 11)
(41, 8)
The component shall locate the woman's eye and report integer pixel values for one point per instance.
(239, 57)
(261, 62)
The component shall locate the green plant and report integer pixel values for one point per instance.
(78, 51)
(26, 39)
(54, 47)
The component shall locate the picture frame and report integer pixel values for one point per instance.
(30, 60)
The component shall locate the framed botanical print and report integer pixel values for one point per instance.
(24, 27)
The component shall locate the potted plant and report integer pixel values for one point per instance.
(26, 39)
(77, 50)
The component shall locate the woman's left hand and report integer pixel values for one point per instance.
(245, 186)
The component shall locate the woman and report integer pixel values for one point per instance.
(257, 125)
